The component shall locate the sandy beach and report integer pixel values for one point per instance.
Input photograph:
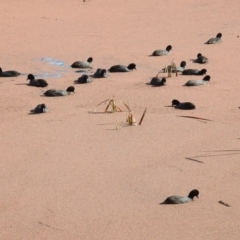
(71, 173)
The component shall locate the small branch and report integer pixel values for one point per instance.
(223, 203)
(142, 116)
(46, 225)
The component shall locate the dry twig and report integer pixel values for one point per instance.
(130, 118)
(112, 104)
(223, 203)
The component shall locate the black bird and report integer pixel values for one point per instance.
(217, 39)
(36, 82)
(194, 72)
(181, 199)
(203, 81)
(201, 59)
(59, 92)
(10, 73)
(100, 73)
(183, 105)
(161, 52)
(84, 79)
(122, 68)
(40, 108)
(83, 64)
(158, 81)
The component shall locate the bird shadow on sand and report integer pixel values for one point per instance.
(149, 84)
(82, 71)
(24, 84)
(193, 60)
(79, 83)
(196, 61)
(33, 113)
(76, 82)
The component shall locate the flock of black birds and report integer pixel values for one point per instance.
(157, 82)
(103, 73)
(187, 106)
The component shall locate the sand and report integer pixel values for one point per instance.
(69, 174)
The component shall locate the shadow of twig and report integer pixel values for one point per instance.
(198, 118)
(195, 160)
(222, 151)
